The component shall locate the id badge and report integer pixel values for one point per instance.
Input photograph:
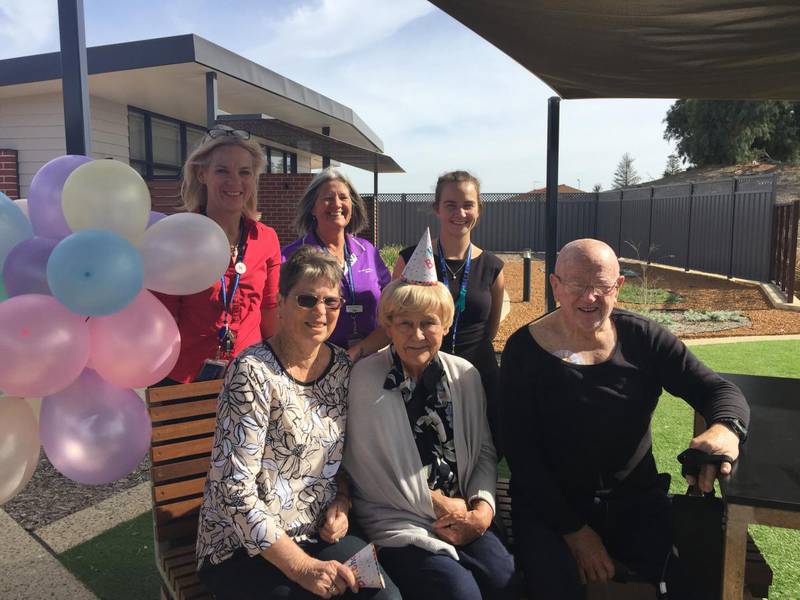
(354, 309)
(212, 369)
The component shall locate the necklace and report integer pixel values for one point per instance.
(454, 274)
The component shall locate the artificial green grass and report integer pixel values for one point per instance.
(672, 431)
(118, 564)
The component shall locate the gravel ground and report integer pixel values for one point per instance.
(50, 496)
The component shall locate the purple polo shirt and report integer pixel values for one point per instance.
(369, 276)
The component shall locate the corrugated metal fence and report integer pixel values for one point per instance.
(720, 227)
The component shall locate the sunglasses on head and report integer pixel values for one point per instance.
(310, 301)
(218, 132)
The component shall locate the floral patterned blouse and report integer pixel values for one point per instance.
(277, 448)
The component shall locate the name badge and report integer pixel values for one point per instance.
(354, 309)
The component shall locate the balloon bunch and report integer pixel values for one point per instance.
(78, 326)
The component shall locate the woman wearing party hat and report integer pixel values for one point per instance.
(419, 452)
(473, 276)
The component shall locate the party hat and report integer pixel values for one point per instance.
(420, 269)
(364, 565)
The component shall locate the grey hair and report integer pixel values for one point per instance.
(304, 221)
(309, 262)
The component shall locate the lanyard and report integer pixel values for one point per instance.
(461, 301)
(228, 302)
(348, 267)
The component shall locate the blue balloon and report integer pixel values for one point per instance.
(95, 272)
(14, 227)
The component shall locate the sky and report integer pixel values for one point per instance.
(438, 95)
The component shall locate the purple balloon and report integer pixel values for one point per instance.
(94, 432)
(44, 196)
(154, 216)
(25, 269)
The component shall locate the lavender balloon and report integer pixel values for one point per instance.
(44, 197)
(154, 217)
(94, 432)
(25, 269)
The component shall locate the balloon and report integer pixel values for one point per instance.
(95, 272)
(44, 197)
(94, 432)
(25, 269)
(184, 254)
(22, 203)
(107, 194)
(19, 446)
(154, 217)
(43, 346)
(136, 347)
(3, 295)
(14, 226)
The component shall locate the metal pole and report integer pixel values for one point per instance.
(526, 275)
(212, 99)
(326, 160)
(375, 201)
(551, 205)
(74, 78)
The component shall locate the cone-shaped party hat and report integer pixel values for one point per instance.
(421, 269)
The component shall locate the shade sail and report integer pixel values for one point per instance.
(723, 49)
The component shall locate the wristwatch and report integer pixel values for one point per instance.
(735, 425)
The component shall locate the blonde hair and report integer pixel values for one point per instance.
(305, 221)
(194, 193)
(401, 297)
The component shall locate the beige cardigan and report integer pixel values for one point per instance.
(391, 500)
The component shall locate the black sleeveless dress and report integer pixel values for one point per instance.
(472, 337)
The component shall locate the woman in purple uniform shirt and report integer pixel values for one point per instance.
(330, 214)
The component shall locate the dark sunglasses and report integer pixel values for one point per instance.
(310, 301)
(219, 132)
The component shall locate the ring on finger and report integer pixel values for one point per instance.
(333, 589)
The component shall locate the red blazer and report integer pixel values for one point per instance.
(199, 316)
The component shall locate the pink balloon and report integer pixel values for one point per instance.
(43, 346)
(94, 432)
(136, 347)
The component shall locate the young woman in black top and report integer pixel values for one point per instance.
(474, 277)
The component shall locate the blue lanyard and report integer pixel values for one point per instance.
(348, 267)
(461, 301)
(228, 302)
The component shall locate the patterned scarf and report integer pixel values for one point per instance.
(430, 416)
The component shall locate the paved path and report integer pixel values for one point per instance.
(28, 571)
(740, 338)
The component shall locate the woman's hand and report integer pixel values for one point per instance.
(464, 526)
(356, 352)
(325, 579)
(444, 505)
(336, 523)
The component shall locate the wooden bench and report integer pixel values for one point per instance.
(183, 418)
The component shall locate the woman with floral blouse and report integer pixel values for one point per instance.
(274, 520)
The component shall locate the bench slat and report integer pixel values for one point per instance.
(182, 449)
(177, 470)
(171, 491)
(183, 410)
(175, 431)
(164, 513)
(187, 390)
(184, 528)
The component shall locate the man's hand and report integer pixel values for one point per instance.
(464, 526)
(336, 523)
(594, 563)
(717, 439)
(444, 505)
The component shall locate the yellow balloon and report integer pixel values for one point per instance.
(106, 194)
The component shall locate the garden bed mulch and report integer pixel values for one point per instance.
(698, 292)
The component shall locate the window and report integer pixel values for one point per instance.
(280, 161)
(159, 145)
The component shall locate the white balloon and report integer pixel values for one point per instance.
(19, 446)
(23, 206)
(184, 254)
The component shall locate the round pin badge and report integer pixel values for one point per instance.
(240, 268)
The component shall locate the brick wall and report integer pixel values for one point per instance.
(9, 174)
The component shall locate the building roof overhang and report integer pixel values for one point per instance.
(310, 141)
(168, 76)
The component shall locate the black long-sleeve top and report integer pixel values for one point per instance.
(569, 428)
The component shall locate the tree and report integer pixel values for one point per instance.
(597, 187)
(673, 165)
(714, 132)
(625, 175)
